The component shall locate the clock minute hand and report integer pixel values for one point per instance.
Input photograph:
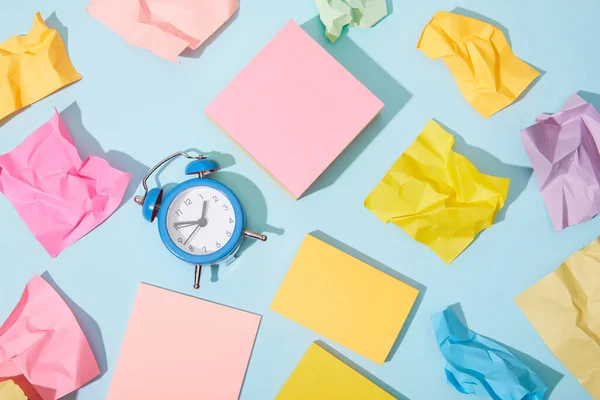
(201, 223)
(192, 235)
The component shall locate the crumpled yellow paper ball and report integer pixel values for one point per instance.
(9, 390)
(488, 74)
(32, 67)
(437, 196)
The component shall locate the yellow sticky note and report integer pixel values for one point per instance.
(322, 376)
(32, 67)
(487, 72)
(564, 308)
(344, 299)
(437, 196)
(9, 390)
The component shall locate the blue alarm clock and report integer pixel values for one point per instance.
(201, 221)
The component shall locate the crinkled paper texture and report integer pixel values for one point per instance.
(563, 150)
(564, 308)
(166, 27)
(488, 74)
(480, 366)
(42, 343)
(335, 14)
(32, 67)
(58, 196)
(437, 196)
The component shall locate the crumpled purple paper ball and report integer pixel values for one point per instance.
(564, 153)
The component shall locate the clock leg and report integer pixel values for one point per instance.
(251, 234)
(197, 276)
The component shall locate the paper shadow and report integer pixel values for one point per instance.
(383, 268)
(196, 53)
(376, 79)
(87, 146)
(361, 370)
(88, 325)
(532, 84)
(504, 30)
(13, 114)
(456, 308)
(390, 7)
(53, 22)
(249, 357)
(592, 98)
(548, 375)
(488, 164)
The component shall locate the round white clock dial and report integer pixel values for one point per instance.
(200, 220)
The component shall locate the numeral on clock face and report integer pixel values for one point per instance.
(201, 220)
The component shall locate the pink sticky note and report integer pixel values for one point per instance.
(181, 347)
(59, 197)
(294, 109)
(42, 347)
(167, 27)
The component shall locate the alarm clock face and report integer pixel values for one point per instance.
(200, 220)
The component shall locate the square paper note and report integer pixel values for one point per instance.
(294, 108)
(321, 375)
(344, 299)
(181, 347)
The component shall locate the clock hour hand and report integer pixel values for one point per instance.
(203, 216)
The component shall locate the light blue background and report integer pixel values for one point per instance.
(134, 108)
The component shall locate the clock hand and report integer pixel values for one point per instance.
(192, 235)
(194, 222)
(201, 223)
(204, 207)
(185, 224)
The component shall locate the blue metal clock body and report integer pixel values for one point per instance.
(224, 252)
(159, 207)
